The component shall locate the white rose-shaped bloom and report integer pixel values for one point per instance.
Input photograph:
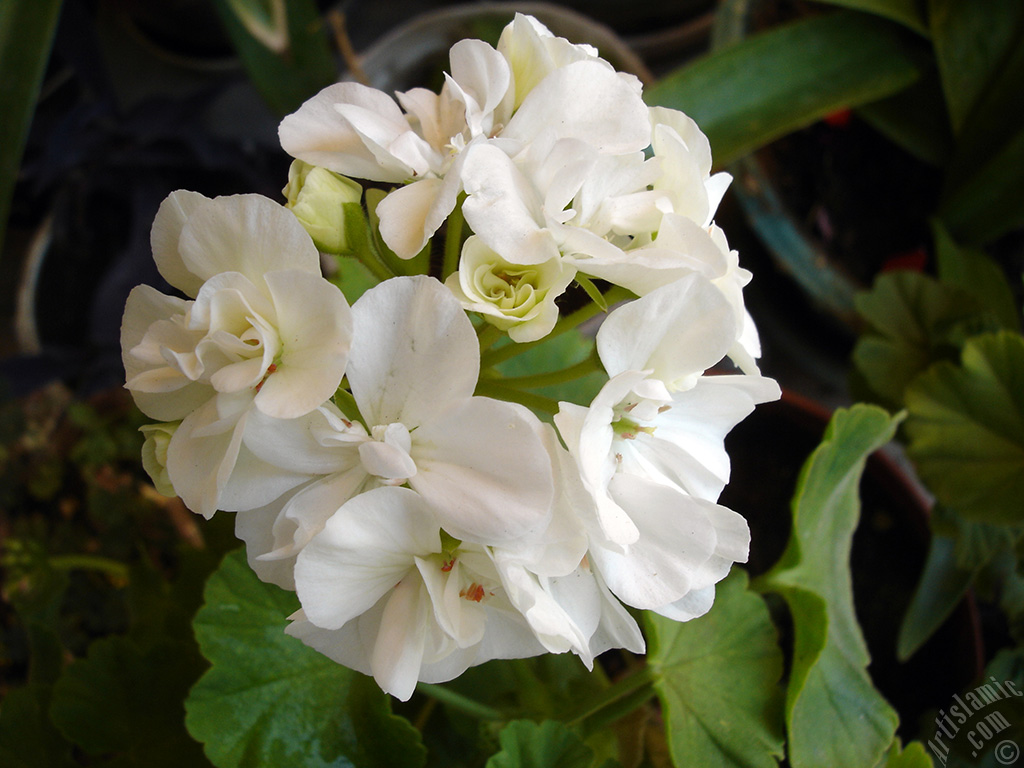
(381, 594)
(516, 298)
(264, 330)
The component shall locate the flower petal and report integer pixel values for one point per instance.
(364, 549)
(485, 470)
(320, 135)
(677, 331)
(585, 100)
(164, 237)
(413, 351)
(314, 324)
(250, 234)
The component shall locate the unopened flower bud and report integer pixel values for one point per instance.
(316, 196)
(154, 455)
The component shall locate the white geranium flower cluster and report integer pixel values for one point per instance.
(425, 528)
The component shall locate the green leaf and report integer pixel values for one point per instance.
(971, 40)
(973, 271)
(908, 119)
(28, 738)
(553, 355)
(966, 429)
(941, 588)
(914, 321)
(913, 756)
(983, 717)
(26, 35)
(979, 197)
(750, 93)
(717, 678)
(987, 205)
(550, 744)
(125, 700)
(834, 715)
(284, 77)
(270, 700)
(905, 12)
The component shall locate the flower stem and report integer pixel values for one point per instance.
(452, 242)
(460, 702)
(113, 568)
(616, 701)
(537, 380)
(487, 334)
(567, 323)
(493, 388)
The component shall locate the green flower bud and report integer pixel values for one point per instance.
(154, 455)
(316, 196)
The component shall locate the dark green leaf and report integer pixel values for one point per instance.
(966, 429)
(988, 203)
(284, 78)
(125, 700)
(550, 744)
(28, 738)
(971, 40)
(908, 119)
(973, 271)
(834, 715)
(270, 700)
(26, 34)
(982, 718)
(773, 83)
(914, 321)
(905, 12)
(717, 678)
(943, 584)
(979, 198)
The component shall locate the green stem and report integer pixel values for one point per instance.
(615, 701)
(564, 324)
(460, 702)
(452, 242)
(369, 258)
(492, 388)
(487, 334)
(114, 568)
(537, 380)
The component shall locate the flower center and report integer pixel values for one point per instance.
(386, 456)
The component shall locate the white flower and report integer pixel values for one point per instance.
(548, 578)
(650, 448)
(382, 593)
(516, 298)
(480, 463)
(264, 331)
(361, 132)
